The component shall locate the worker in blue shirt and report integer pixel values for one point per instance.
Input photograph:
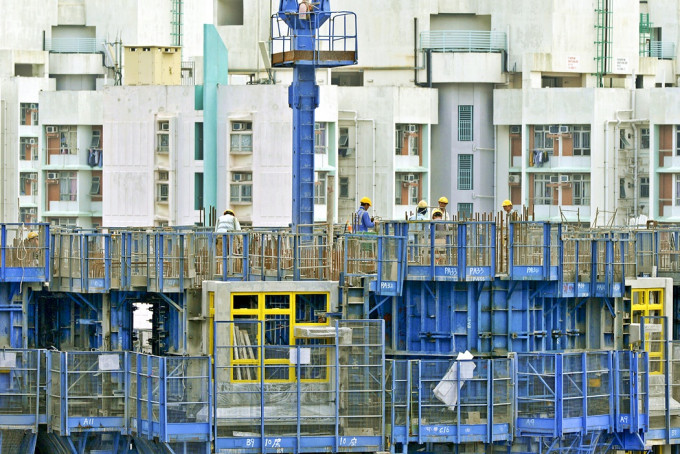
(364, 220)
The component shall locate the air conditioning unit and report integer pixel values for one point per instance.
(50, 129)
(515, 129)
(411, 178)
(31, 211)
(554, 179)
(236, 177)
(164, 126)
(236, 126)
(412, 128)
(564, 129)
(554, 129)
(31, 141)
(565, 178)
(52, 175)
(514, 179)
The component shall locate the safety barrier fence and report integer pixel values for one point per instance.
(450, 401)
(582, 262)
(20, 372)
(322, 392)
(326, 38)
(163, 398)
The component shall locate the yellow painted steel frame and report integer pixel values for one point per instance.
(260, 314)
(647, 302)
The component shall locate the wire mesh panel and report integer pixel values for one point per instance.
(325, 392)
(313, 259)
(624, 262)
(117, 257)
(201, 256)
(231, 256)
(537, 394)
(54, 392)
(270, 256)
(145, 395)
(141, 251)
(188, 403)
(24, 252)
(396, 399)
(631, 391)
(94, 392)
(479, 250)
(19, 387)
(645, 252)
(669, 251)
(528, 248)
(361, 253)
(674, 388)
(97, 262)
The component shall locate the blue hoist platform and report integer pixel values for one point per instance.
(306, 36)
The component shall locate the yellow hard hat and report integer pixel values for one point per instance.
(507, 203)
(422, 204)
(365, 200)
(32, 235)
(443, 200)
(437, 211)
(229, 212)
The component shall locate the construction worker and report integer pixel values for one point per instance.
(227, 222)
(29, 253)
(507, 207)
(443, 201)
(421, 212)
(363, 220)
(437, 215)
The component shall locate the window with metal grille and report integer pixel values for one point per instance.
(543, 139)
(68, 186)
(465, 210)
(465, 123)
(241, 138)
(580, 184)
(29, 113)
(644, 187)
(28, 148)
(542, 190)
(677, 190)
(320, 188)
(162, 192)
(344, 187)
(644, 138)
(465, 172)
(581, 140)
(677, 141)
(241, 187)
(320, 138)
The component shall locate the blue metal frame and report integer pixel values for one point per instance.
(11, 273)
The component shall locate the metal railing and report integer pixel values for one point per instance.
(664, 50)
(74, 45)
(19, 389)
(463, 41)
(24, 257)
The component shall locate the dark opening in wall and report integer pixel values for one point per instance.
(230, 12)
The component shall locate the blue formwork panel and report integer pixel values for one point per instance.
(20, 371)
(256, 445)
(451, 401)
(381, 258)
(24, 259)
(482, 317)
(631, 399)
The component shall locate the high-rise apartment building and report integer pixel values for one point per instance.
(568, 109)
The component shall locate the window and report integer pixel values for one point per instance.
(343, 143)
(163, 145)
(465, 123)
(320, 188)
(413, 195)
(644, 138)
(542, 190)
(162, 191)
(581, 140)
(677, 190)
(320, 138)
(542, 141)
(465, 210)
(163, 175)
(241, 188)
(28, 184)
(580, 186)
(28, 148)
(465, 172)
(198, 191)
(344, 187)
(622, 188)
(280, 312)
(28, 114)
(407, 135)
(96, 140)
(398, 139)
(63, 222)
(623, 139)
(677, 141)
(95, 186)
(644, 187)
(62, 139)
(241, 137)
(68, 186)
(198, 141)
(28, 214)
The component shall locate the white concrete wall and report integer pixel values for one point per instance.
(129, 152)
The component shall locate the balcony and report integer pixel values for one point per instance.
(74, 45)
(663, 50)
(471, 41)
